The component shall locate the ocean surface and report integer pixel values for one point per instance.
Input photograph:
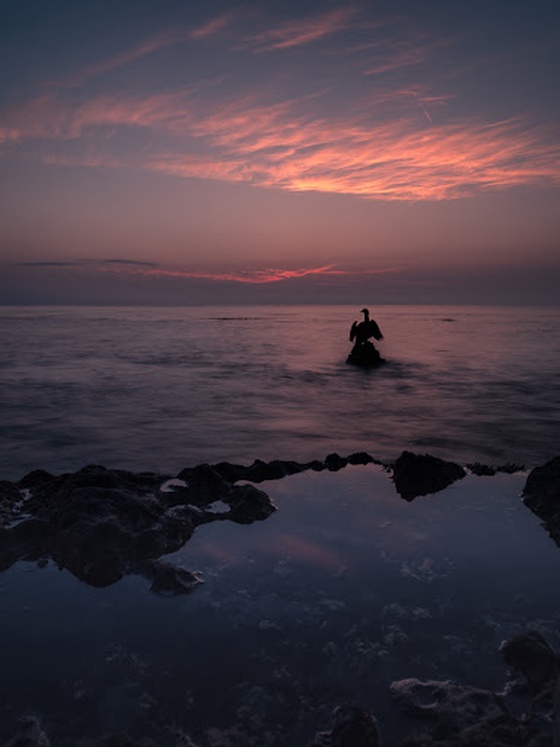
(346, 587)
(163, 388)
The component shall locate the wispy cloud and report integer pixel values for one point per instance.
(70, 263)
(302, 31)
(132, 262)
(148, 46)
(284, 146)
(142, 49)
(213, 26)
(398, 58)
(86, 263)
(386, 143)
(253, 277)
(400, 159)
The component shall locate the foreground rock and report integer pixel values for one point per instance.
(542, 495)
(101, 524)
(461, 716)
(354, 726)
(415, 474)
(458, 715)
(29, 734)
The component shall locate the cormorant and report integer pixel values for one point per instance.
(362, 331)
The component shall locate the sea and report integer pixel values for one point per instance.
(346, 588)
(158, 389)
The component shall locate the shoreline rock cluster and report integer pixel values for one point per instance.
(463, 716)
(102, 524)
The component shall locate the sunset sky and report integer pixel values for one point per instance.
(269, 152)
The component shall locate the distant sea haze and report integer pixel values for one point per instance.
(163, 388)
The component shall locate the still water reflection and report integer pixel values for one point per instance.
(344, 589)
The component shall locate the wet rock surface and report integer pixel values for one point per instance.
(542, 495)
(101, 524)
(458, 714)
(354, 726)
(365, 356)
(29, 734)
(421, 474)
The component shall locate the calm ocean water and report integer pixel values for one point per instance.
(163, 388)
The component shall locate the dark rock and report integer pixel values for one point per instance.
(204, 485)
(260, 471)
(334, 462)
(231, 472)
(353, 726)
(275, 470)
(481, 469)
(316, 465)
(9, 494)
(534, 662)
(360, 457)
(460, 716)
(542, 495)
(168, 579)
(36, 479)
(510, 468)
(365, 356)
(485, 469)
(29, 734)
(101, 524)
(415, 474)
(542, 491)
(248, 504)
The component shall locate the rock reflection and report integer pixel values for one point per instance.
(101, 524)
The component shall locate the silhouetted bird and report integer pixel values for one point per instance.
(362, 331)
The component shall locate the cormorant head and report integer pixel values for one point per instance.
(365, 312)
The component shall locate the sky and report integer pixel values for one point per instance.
(219, 152)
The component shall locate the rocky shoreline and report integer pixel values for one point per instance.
(103, 524)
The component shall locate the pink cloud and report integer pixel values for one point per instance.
(142, 49)
(304, 31)
(405, 58)
(253, 277)
(285, 145)
(213, 26)
(145, 47)
(401, 159)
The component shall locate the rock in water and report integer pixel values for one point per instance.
(415, 474)
(353, 726)
(542, 495)
(365, 355)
